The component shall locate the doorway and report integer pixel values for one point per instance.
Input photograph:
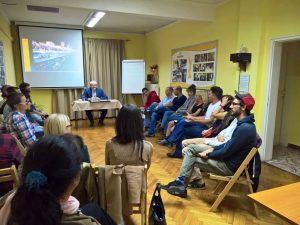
(281, 118)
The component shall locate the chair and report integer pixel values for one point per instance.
(21, 147)
(231, 180)
(107, 201)
(9, 174)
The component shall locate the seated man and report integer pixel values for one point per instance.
(151, 97)
(155, 105)
(193, 126)
(224, 159)
(93, 92)
(182, 110)
(171, 106)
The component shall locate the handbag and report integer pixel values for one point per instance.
(157, 209)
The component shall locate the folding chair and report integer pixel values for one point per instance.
(231, 180)
(21, 147)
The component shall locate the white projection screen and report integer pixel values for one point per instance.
(51, 57)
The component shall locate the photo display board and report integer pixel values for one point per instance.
(194, 65)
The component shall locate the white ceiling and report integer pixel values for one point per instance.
(127, 16)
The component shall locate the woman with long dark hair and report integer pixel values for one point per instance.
(128, 147)
(51, 171)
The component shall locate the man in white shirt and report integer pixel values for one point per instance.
(194, 125)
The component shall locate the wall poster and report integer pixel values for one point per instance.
(2, 67)
(194, 65)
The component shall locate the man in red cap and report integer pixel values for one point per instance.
(224, 159)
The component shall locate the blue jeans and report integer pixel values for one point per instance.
(148, 114)
(173, 116)
(184, 129)
(164, 121)
(156, 115)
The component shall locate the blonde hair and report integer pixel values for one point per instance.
(56, 124)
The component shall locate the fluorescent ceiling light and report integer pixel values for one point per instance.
(93, 20)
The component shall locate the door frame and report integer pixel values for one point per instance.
(271, 96)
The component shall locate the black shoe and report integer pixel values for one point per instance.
(196, 184)
(178, 190)
(150, 135)
(91, 123)
(173, 155)
(101, 123)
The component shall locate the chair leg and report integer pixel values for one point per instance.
(224, 193)
(256, 212)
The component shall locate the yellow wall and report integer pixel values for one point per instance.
(238, 22)
(6, 38)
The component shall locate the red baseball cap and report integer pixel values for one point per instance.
(246, 98)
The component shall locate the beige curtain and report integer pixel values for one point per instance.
(103, 61)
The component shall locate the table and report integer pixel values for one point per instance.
(283, 201)
(80, 105)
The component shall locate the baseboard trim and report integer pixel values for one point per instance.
(293, 146)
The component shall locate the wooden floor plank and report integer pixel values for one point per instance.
(195, 209)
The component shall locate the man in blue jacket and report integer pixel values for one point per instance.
(224, 159)
(94, 91)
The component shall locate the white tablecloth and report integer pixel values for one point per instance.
(79, 105)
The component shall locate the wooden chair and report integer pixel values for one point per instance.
(21, 147)
(140, 208)
(231, 180)
(9, 174)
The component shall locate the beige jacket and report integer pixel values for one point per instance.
(120, 187)
(127, 154)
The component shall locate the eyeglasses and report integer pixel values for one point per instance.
(234, 103)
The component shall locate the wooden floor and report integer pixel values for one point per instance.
(195, 209)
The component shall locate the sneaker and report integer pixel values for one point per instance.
(178, 190)
(163, 142)
(196, 184)
(172, 183)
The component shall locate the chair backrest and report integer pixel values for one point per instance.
(118, 190)
(9, 174)
(21, 147)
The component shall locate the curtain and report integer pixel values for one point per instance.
(103, 61)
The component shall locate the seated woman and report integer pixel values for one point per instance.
(17, 123)
(196, 109)
(51, 171)
(128, 146)
(60, 124)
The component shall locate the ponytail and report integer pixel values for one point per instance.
(49, 167)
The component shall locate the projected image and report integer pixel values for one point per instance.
(51, 57)
(48, 56)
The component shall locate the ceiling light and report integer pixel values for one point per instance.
(93, 20)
